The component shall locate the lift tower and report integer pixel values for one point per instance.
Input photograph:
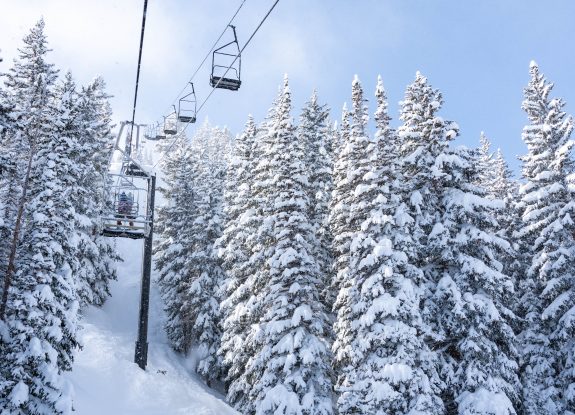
(128, 212)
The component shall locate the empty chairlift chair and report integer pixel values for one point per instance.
(187, 106)
(226, 69)
(151, 132)
(160, 135)
(171, 123)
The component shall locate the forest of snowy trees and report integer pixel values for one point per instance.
(317, 269)
(55, 139)
(309, 266)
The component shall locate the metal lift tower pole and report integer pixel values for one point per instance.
(141, 355)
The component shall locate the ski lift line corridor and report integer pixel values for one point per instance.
(201, 106)
(129, 194)
(128, 212)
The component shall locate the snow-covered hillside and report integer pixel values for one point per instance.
(105, 378)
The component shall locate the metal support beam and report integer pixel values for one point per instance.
(141, 354)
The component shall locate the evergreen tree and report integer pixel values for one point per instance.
(29, 92)
(424, 137)
(208, 166)
(486, 165)
(315, 139)
(235, 252)
(190, 273)
(95, 139)
(339, 211)
(503, 187)
(547, 237)
(173, 247)
(474, 292)
(467, 294)
(246, 299)
(290, 367)
(382, 360)
(8, 181)
(42, 308)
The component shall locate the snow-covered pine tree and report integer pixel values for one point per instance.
(495, 178)
(235, 252)
(339, 211)
(29, 86)
(504, 187)
(291, 363)
(424, 136)
(98, 254)
(248, 298)
(380, 358)
(42, 307)
(207, 161)
(190, 273)
(315, 138)
(172, 246)
(8, 182)
(548, 231)
(474, 295)
(486, 164)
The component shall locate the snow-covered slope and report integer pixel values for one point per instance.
(105, 379)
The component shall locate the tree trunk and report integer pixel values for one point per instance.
(12, 258)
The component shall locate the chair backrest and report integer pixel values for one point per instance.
(227, 65)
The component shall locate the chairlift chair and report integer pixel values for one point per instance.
(124, 216)
(160, 135)
(132, 169)
(171, 123)
(154, 133)
(151, 132)
(187, 107)
(227, 76)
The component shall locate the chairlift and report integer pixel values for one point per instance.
(160, 135)
(132, 169)
(187, 107)
(171, 123)
(154, 133)
(124, 216)
(151, 132)
(226, 72)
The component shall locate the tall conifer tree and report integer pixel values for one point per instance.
(95, 138)
(290, 367)
(235, 252)
(316, 141)
(41, 304)
(547, 234)
(381, 359)
(339, 217)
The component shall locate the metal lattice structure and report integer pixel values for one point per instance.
(128, 212)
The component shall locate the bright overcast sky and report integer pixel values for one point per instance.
(477, 52)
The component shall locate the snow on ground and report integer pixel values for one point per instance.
(105, 378)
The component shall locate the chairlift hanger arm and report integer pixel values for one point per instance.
(225, 46)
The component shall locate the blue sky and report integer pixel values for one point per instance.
(476, 52)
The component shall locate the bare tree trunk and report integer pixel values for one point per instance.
(12, 258)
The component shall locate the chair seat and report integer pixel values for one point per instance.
(225, 83)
